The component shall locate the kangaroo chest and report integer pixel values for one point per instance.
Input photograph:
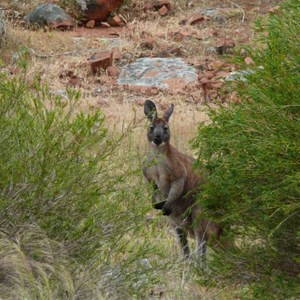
(158, 170)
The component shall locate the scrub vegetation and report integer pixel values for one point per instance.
(76, 215)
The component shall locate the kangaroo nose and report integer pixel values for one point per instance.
(157, 139)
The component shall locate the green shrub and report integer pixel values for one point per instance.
(50, 160)
(72, 206)
(250, 152)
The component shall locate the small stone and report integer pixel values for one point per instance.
(181, 35)
(206, 76)
(116, 21)
(148, 6)
(163, 11)
(160, 3)
(217, 64)
(90, 24)
(206, 33)
(222, 74)
(101, 60)
(140, 102)
(224, 45)
(196, 18)
(74, 82)
(113, 71)
(148, 42)
(274, 9)
(234, 97)
(177, 52)
(72, 79)
(117, 54)
(249, 61)
(102, 102)
(206, 87)
(217, 84)
(183, 22)
(220, 19)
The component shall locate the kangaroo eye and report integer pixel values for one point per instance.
(166, 128)
(151, 127)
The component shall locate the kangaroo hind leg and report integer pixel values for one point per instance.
(183, 241)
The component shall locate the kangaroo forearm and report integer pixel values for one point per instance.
(175, 191)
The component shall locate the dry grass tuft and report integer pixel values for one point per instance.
(33, 266)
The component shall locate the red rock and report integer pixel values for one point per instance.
(183, 22)
(148, 42)
(72, 79)
(274, 9)
(66, 74)
(248, 60)
(217, 84)
(222, 74)
(14, 70)
(177, 52)
(181, 35)
(160, 3)
(113, 71)
(74, 82)
(203, 77)
(212, 94)
(99, 10)
(224, 45)
(101, 60)
(217, 64)
(231, 67)
(117, 54)
(148, 6)
(196, 18)
(102, 102)
(163, 11)
(116, 21)
(206, 33)
(234, 97)
(140, 102)
(90, 24)
(206, 86)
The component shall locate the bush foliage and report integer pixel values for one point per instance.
(69, 203)
(250, 152)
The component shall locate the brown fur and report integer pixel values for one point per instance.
(176, 182)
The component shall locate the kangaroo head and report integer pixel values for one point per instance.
(158, 131)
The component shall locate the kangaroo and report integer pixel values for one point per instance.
(175, 184)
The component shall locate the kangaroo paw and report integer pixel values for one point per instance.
(159, 205)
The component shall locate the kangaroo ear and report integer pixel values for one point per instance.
(150, 110)
(168, 112)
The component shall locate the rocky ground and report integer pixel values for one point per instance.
(170, 51)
